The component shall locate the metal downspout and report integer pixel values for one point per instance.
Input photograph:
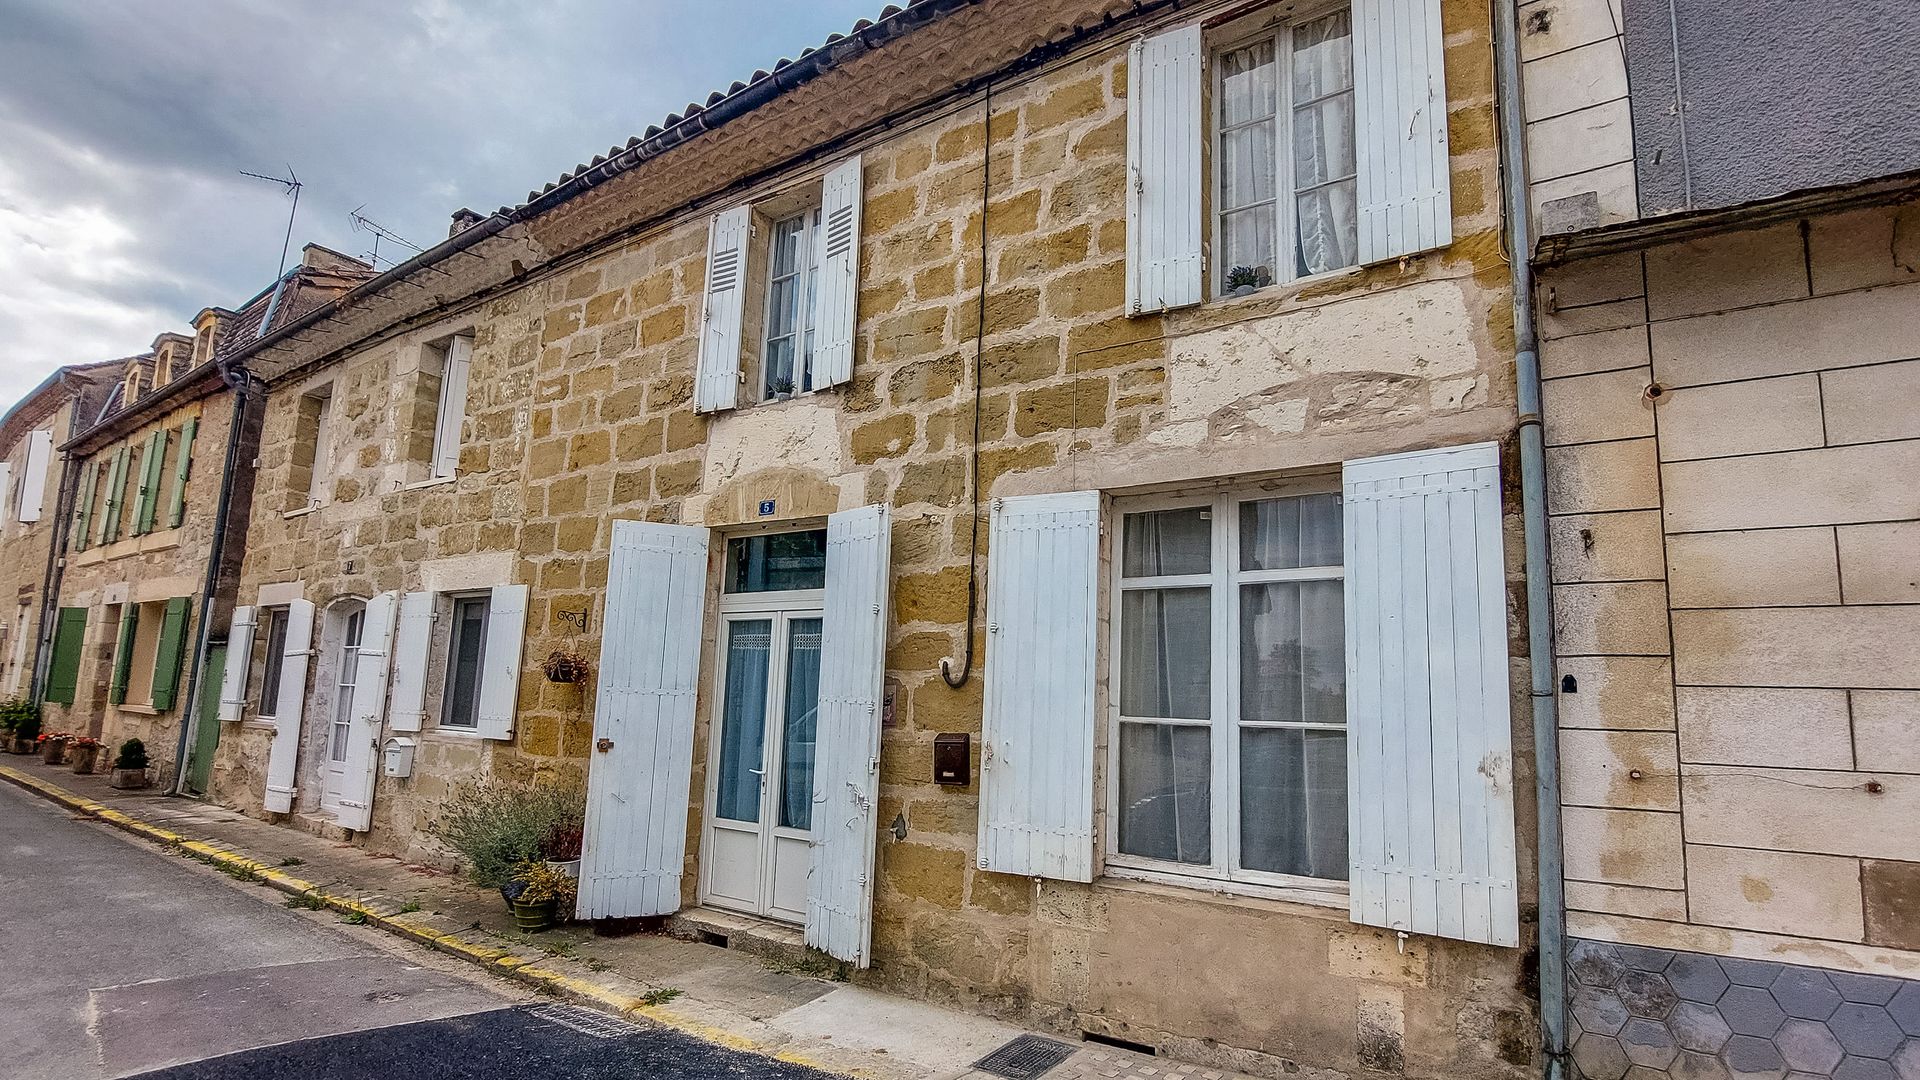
(1533, 495)
(215, 556)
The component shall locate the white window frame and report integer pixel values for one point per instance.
(813, 243)
(1284, 192)
(484, 598)
(271, 619)
(446, 427)
(1224, 874)
(320, 474)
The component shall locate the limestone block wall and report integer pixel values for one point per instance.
(1733, 424)
(23, 555)
(1580, 159)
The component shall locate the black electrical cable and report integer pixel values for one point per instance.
(973, 468)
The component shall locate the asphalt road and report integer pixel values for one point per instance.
(117, 959)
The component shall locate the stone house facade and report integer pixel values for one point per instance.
(1065, 401)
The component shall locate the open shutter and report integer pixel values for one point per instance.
(123, 654)
(839, 283)
(500, 667)
(640, 778)
(410, 644)
(1429, 743)
(846, 752)
(353, 808)
(1166, 256)
(182, 469)
(1400, 116)
(233, 681)
(1036, 767)
(453, 406)
(168, 651)
(63, 670)
(83, 505)
(146, 501)
(6, 492)
(116, 492)
(33, 485)
(284, 753)
(717, 384)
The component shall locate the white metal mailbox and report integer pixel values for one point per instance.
(397, 756)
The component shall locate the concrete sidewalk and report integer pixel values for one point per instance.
(726, 996)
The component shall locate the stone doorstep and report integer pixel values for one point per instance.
(780, 943)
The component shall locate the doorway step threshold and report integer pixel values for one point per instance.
(778, 943)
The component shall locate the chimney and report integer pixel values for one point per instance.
(463, 219)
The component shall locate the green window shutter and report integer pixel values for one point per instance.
(148, 499)
(177, 512)
(166, 659)
(83, 507)
(69, 636)
(123, 654)
(116, 487)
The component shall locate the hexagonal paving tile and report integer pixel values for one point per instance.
(1809, 1046)
(1805, 1076)
(1750, 1010)
(1599, 1057)
(1699, 1027)
(1694, 1065)
(1904, 1007)
(1749, 972)
(1646, 993)
(1906, 1060)
(1871, 989)
(1865, 1030)
(1749, 1058)
(1595, 963)
(1862, 1068)
(1648, 1042)
(1641, 1072)
(1697, 978)
(1806, 993)
(1640, 958)
(1600, 1012)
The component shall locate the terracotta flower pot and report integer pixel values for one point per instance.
(84, 759)
(54, 752)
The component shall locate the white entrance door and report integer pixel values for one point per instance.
(760, 803)
(346, 669)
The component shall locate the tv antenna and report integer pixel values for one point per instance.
(291, 182)
(363, 223)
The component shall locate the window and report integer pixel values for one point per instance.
(312, 477)
(1285, 158)
(203, 343)
(345, 679)
(163, 367)
(1230, 688)
(777, 562)
(793, 268)
(451, 358)
(273, 662)
(131, 390)
(145, 645)
(460, 704)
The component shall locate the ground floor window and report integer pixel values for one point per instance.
(273, 661)
(460, 704)
(345, 679)
(1229, 689)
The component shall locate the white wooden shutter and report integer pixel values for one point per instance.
(354, 806)
(6, 493)
(717, 383)
(1036, 768)
(33, 483)
(233, 682)
(500, 667)
(640, 778)
(288, 709)
(1166, 255)
(836, 296)
(407, 706)
(846, 753)
(1400, 107)
(453, 406)
(1429, 735)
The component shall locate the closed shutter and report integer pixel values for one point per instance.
(146, 501)
(717, 384)
(640, 778)
(182, 470)
(353, 807)
(167, 653)
(838, 291)
(233, 681)
(453, 406)
(284, 753)
(116, 492)
(83, 505)
(410, 644)
(500, 667)
(846, 753)
(1036, 768)
(1429, 747)
(1166, 256)
(33, 484)
(123, 654)
(63, 670)
(1400, 107)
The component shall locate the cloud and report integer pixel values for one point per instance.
(122, 211)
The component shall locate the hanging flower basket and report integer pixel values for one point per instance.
(566, 666)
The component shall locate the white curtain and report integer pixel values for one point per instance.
(743, 720)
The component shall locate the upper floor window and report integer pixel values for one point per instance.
(203, 344)
(793, 267)
(312, 476)
(452, 359)
(163, 367)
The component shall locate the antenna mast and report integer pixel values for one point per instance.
(363, 223)
(291, 182)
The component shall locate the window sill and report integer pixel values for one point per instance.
(303, 511)
(1283, 290)
(463, 734)
(1332, 895)
(137, 710)
(432, 481)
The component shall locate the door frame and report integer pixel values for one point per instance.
(331, 772)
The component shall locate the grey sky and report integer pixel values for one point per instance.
(124, 124)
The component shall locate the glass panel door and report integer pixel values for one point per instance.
(743, 720)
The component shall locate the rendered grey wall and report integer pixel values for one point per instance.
(1780, 95)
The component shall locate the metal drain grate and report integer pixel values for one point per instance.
(585, 1021)
(1025, 1057)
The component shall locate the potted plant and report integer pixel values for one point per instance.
(536, 891)
(1242, 280)
(21, 720)
(85, 752)
(53, 747)
(561, 847)
(566, 666)
(130, 766)
(782, 389)
(497, 825)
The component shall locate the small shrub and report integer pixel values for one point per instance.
(539, 883)
(20, 718)
(409, 907)
(132, 755)
(495, 825)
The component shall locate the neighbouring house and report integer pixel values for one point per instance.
(1036, 484)
(156, 492)
(1729, 296)
(31, 479)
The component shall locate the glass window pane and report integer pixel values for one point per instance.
(1248, 245)
(1293, 802)
(463, 662)
(777, 561)
(1166, 653)
(743, 720)
(343, 687)
(1166, 792)
(1168, 542)
(781, 308)
(784, 249)
(1323, 141)
(1247, 84)
(1286, 534)
(780, 367)
(1329, 229)
(272, 662)
(1293, 653)
(1246, 166)
(1323, 56)
(797, 733)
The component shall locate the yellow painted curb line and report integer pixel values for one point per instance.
(502, 962)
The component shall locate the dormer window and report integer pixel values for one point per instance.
(130, 392)
(203, 344)
(163, 367)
